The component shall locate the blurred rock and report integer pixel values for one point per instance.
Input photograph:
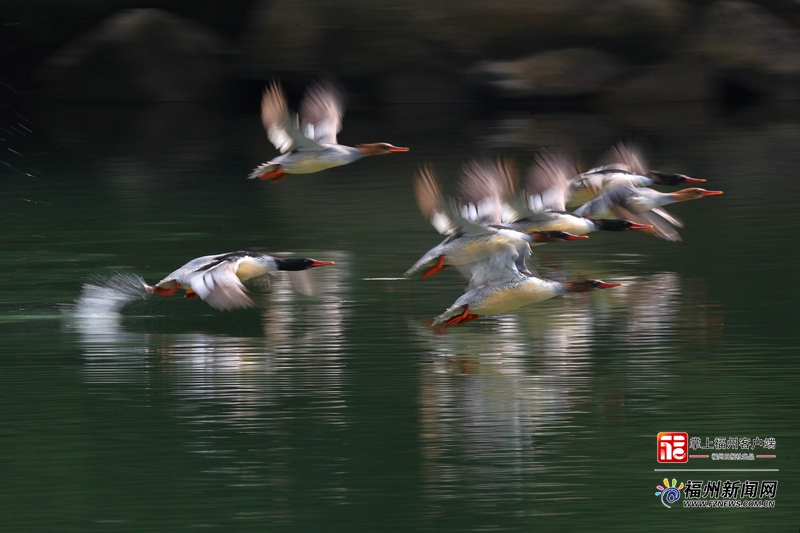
(420, 87)
(752, 46)
(350, 40)
(144, 55)
(282, 35)
(563, 73)
(681, 80)
(745, 35)
(376, 39)
(414, 51)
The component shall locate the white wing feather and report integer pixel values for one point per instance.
(281, 124)
(499, 268)
(321, 112)
(220, 287)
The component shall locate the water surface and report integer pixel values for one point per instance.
(345, 411)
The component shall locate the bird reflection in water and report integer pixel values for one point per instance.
(494, 419)
(252, 393)
(504, 407)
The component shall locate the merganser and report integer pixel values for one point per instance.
(546, 195)
(468, 241)
(217, 279)
(466, 248)
(624, 163)
(509, 290)
(313, 148)
(643, 205)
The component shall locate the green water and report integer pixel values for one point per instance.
(345, 412)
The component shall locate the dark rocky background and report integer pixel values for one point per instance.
(141, 89)
(413, 51)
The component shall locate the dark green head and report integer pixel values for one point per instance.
(300, 264)
(618, 224)
(553, 236)
(586, 285)
(664, 178)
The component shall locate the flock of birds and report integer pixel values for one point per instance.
(489, 229)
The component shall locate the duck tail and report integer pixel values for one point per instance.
(416, 267)
(261, 170)
(434, 259)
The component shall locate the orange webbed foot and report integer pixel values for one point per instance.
(275, 175)
(434, 269)
(463, 318)
(166, 293)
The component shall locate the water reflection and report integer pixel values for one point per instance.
(300, 333)
(494, 419)
(139, 144)
(574, 130)
(504, 402)
(228, 390)
(271, 416)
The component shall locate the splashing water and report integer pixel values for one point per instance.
(108, 295)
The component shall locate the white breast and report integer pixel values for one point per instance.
(509, 296)
(307, 162)
(571, 224)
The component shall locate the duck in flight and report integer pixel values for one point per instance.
(544, 206)
(217, 279)
(497, 286)
(643, 205)
(624, 163)
(468, 241)
(308, 143)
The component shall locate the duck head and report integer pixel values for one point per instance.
(553, 236)
(380, 148)
(693, 193)
(618, 224)
(301, 264)
(587, 285)
(664, 178)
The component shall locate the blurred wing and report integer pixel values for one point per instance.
(499, 268)
(607, 201)
(443, 216)
(516, 210)
(303, 283)
(523, 255)
(430, 201)
(626, 156)
(192, 266)
(466, 226)
(666, 216)
(586, 186)
(485, 187)
(220, 288)
(321, 112)
(548, 181)
(281, 124)
(662, 228)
